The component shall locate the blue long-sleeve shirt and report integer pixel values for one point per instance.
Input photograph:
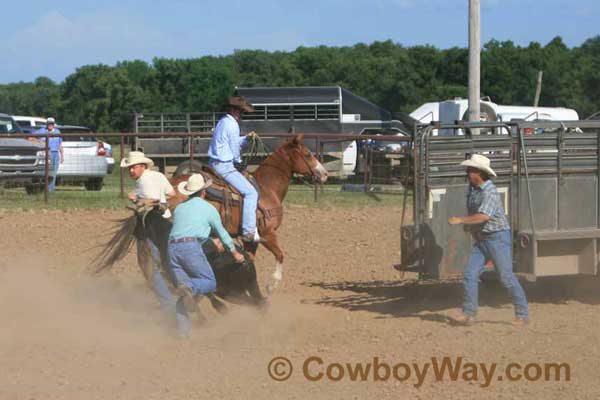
(198, 218)
(226, 143)
(54, 142)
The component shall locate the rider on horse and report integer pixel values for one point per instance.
(224, 153)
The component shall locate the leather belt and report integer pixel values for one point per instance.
(183, 239)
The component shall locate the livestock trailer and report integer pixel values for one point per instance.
(549, 184)
(323, 109)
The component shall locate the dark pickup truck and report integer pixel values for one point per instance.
(21, 161)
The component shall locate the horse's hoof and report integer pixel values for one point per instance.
(270, 289)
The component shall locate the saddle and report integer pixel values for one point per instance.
(225, 194)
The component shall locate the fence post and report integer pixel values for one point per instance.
(316, 185)
(46, 167)
(366, 166)
(370, 181)
(191, 149)
(122, 150)
(320, 155)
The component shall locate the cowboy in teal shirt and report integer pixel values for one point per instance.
(193, 222)
(198, 218)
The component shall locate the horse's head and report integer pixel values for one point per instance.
(301, 159)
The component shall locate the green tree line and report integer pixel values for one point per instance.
(395, 77)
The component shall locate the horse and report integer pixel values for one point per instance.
(236, 282)
(273, 177)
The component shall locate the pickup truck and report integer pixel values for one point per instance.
(87, 160)
(21, 161)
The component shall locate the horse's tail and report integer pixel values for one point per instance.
(118, 246)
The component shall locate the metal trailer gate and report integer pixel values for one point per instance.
(549, 181)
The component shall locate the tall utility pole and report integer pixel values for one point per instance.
(538, 89)
(474, 62)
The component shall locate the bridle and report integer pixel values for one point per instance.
(288, 160)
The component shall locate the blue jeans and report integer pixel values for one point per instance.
(237, 180)
(191, 268)
(158, 282)
(496, 247)
(54, 164)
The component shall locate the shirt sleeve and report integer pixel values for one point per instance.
(488, 203)
(167, 187)
(233, 135)
(215, 223)
(244, 142)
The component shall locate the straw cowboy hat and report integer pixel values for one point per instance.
(195, 183)
(239, 102)
(136, 157)
(479, 162)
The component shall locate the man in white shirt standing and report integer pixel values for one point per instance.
(151, 186)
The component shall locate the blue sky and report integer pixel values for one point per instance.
(53, 38)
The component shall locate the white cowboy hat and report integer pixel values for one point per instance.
(479, 162)
(195, 183)
(136, 157)
(50, 121)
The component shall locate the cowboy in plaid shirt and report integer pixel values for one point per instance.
(485, 199)
(492, 242)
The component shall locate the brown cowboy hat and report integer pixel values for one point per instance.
(239, 102)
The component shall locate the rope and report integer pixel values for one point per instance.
(257, 147)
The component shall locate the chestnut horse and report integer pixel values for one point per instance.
(273, 177)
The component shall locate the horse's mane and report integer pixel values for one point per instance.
(118, 246)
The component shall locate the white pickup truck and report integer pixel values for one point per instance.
(87, 160)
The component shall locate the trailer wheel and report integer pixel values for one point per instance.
(188, 167)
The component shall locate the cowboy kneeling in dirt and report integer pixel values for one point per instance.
(193, 222)
(492, 241)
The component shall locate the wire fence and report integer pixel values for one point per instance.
(89, 175)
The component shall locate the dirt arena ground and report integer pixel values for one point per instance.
(67, 335)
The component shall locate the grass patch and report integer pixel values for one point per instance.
(77, 197)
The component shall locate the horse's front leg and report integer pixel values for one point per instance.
(269, 240)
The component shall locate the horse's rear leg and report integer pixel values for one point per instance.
(270, 242)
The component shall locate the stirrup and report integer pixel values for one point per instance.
(251, 238)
